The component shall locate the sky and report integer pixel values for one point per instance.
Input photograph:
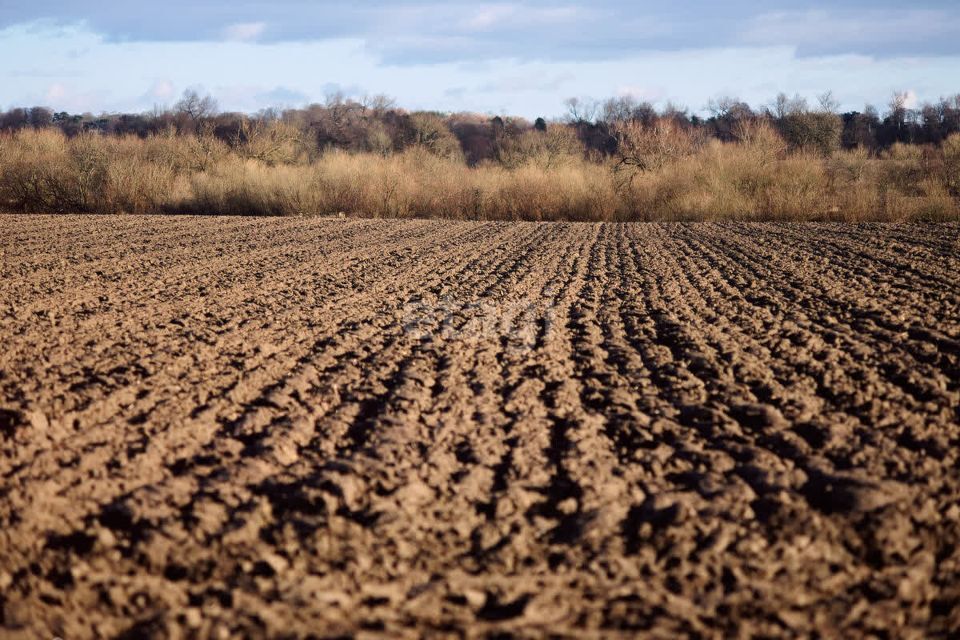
(512, 58)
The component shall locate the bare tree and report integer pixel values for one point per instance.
(195, 106)
(728, 114)
(269, 140)
(723, 106)
(627, 108)
(643, 148)
(783, 105)
(898, 111)
(675, 113)
(378, 104)
(268, 114)
(580, 110)
(828, 102)
(40, 117)
(15, 119)
(430, 131)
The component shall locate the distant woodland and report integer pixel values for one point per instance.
(615, 159)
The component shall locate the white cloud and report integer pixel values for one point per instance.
(643, 94)
(911, 100)
(499, 16)
(535, 81)
(131, 76)
(66, 97)
(161, 90)
(488, 17)
(244, 31)
(56, 92)
(819, 29)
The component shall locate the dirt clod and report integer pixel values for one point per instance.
(251, 427)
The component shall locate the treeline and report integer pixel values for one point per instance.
(376, 125)
(618, 159)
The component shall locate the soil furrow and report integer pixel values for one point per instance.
(254, 427)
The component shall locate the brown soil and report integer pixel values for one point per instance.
(285, 427)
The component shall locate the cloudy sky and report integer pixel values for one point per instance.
(516, 57)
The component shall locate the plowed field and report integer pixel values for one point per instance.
(285, 427)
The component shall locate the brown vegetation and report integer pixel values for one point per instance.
(658, 173)
(627, 163)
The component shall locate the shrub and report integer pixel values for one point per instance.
(430, 131)
(547, 148)
(852, 185)
(542, 175)
(36, 172)
(812, 132)
(43, 171)
(273, 142)
(643, 148)
(951, 164)
(252, 188)
(902, 170)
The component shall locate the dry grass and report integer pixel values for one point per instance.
(670, 177)
(409, 184)
(758, 179)
(44, 171)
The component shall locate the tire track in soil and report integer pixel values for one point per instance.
(403, 428)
